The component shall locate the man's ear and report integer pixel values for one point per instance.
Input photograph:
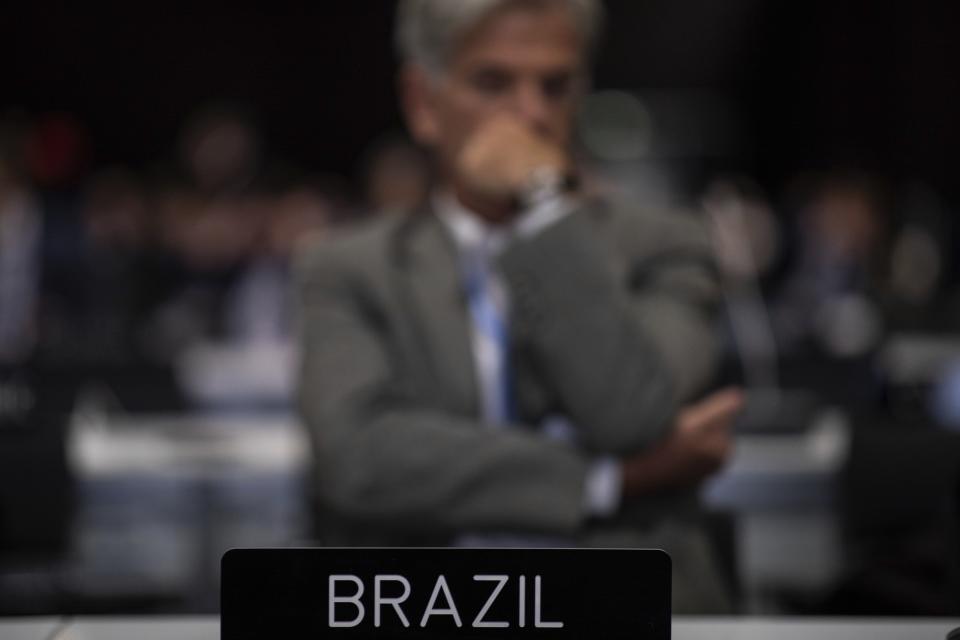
(418, 98)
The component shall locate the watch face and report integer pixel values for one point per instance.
(445, 593)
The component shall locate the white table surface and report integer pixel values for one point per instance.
(28, 628)
(684, 628)
(689, 628)
(199, 628)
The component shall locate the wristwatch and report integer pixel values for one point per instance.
(545, 184)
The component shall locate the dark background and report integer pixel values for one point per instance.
(813, 84)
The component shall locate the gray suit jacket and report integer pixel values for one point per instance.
(612, 317)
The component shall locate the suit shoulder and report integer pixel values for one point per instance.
(629, 224)
(626, 213)
(351, 249)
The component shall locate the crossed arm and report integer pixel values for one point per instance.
(385, 458)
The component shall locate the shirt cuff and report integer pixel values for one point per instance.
(542, 215)
(604, 487)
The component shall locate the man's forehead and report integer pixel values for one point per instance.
(541, 36)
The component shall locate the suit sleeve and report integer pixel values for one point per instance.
(620, 350)
(383, 458)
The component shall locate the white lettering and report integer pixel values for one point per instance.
(451, 610)
(538, 622)
(334, 600)
(523, 601)
(478, 622)
(379, 600)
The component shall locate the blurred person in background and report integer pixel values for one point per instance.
(513, 364)
(828, 313)
(748, 245)
(106, 285)
(208, 223)
(921, 257)
(20, 252)
(829, 298)
(252, 363)
(260, 307)
(220, 151)
(397, 177)
(54, 156)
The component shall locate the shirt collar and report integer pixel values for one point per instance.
(469, 231)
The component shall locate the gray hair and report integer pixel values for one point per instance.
(427, 31)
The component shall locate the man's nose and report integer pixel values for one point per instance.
(531, 105)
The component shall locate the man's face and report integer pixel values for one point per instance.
(525, 62)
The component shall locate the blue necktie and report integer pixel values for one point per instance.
(490, 323)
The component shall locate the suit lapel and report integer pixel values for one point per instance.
(431, 281)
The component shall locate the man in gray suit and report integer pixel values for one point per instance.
(514, 364)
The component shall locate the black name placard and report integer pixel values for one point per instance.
(445, 593)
